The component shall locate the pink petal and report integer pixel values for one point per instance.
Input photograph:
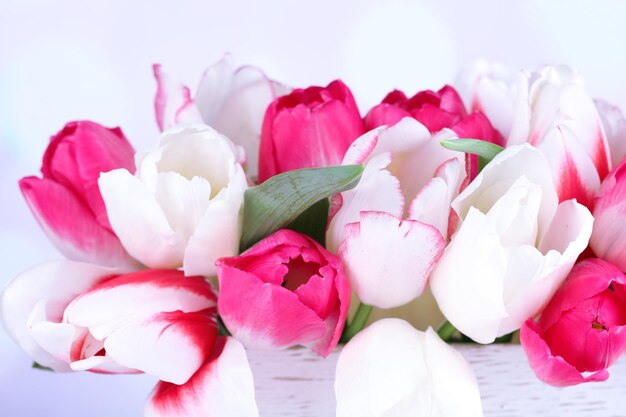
(173, 103)
(388, 261)
(222, 387)
(553, 370)
(264, 315)
(79, 153)
(138, 296)
(149, 344)
(71, 226)
(384, 114)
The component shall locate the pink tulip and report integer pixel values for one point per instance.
(67, 201)
(436, 111)
(308, 128)
(286, 290)
(75, 316)
(608, 239)
(582, 330)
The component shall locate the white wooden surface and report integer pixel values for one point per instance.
(296, 383)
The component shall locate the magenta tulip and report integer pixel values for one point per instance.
(437, 111)
(308, 128)
(582, 329)
(67, 201)
(286, 290)
(608, 239)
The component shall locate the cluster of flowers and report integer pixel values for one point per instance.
(505, 242)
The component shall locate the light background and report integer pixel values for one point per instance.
(69, 60)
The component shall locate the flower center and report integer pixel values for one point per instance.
(299, 273)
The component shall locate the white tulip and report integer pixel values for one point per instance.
(183, 206)
(391, 369)
(514, 248)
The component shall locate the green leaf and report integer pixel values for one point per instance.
(486, 151)
(281, 199)
(312, 222)
(41, 367)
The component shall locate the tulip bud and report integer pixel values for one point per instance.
(67, 201)
(308, 128)
(581, 329)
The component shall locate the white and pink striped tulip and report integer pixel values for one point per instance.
(231, 100)
(76, 316)
(549, 109)
(391, 228)
(67, 201)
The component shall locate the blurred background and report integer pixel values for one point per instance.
(70, 60)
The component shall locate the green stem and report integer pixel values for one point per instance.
(446, 331)
(357, 323)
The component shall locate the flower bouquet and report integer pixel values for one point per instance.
(264, 211)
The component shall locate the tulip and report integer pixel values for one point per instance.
(308, 128)
(582, 329)
(391, 369)
(183, 206)
(514, 247)
(286, 290)
(231, 100)
(549, 109)
(387, 246)
(76, 316)
(223, 387)
(67, 202)
(608, 239)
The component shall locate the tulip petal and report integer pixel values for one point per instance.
(254, 311)
(222, 387)
(432, 204)
(139, 221)
(148, 344)
(614, 126)
(138, 296)
(217, 233)
(468, 280)
(51, 286)
(173, 103)
(391, 369)
(387, 260)
(501, 173)
(444, 361)
(71, 226)
(377, 190)
(553, 370)
(234, 103)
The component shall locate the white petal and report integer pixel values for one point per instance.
(173, 103)
(432, 205)
(377, 190)
(382, 371)
(615, 129)
(468, 280)
(388, 260)
(454, 385)
(218, 232)
(149, 345)
(123, 300)
(139, 221)
(501, 173)
(47, 288)
(222, 388)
